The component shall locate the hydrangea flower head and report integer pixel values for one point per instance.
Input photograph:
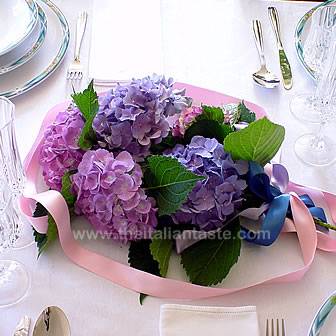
(109, 195)
(186, 118)
(220, 194)
(135, 115)
(60, 151)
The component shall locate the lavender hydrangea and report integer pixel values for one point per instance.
(109, 195)
(220, 195)
(60, 151)
(134, 116)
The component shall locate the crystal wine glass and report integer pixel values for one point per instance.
(11, 169)
(303, 106)
(14, 279)
(318, 149)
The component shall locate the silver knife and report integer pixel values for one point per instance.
(284, 63)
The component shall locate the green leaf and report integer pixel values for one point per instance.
(208, 129)
(209, 261)
(40, 211)
(166, 143)
(87, 102)
(161, 249)
(258, 142)
(140, 257)
(52, 232)
(69, 197)
(40, 240)
(211, 113)
(44, 240)
(142, 297)
(169, 227)
(245, 114)
(169, 182)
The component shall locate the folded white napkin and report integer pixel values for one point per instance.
(178, 320)
(126, 40)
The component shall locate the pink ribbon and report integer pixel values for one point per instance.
(303, 224)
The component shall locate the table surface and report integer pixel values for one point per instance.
(220, 40)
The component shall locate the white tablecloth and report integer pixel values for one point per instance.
(97, 307)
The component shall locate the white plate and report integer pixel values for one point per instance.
(48, 58)
(28, 48)
(18, 19)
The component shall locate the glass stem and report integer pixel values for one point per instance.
(319, 138)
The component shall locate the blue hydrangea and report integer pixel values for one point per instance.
(219, 196)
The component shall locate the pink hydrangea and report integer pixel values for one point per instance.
(109, 195)
(186, 118)
(60, 151)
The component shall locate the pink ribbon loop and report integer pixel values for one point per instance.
(136, 280)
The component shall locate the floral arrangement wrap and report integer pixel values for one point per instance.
(151, 168)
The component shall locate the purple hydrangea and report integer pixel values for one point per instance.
(60, 151)
(134, 116)
(220, 195)
(109, 195)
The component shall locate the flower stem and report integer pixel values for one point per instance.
(323, 224)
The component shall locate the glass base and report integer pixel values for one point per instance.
(304, 109)
(314, 151)
(14, 282)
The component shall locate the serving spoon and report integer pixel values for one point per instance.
(263, 77)
(52, 322)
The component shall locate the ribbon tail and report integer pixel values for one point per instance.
(272, 224)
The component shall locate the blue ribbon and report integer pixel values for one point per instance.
(279, 207)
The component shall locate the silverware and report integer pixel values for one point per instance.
(284, 63)
(275, 329)
(263, 77)
(52, 322)
(22, 329)
(75, 71)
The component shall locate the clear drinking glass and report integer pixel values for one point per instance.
(14, 279)
(305, 106)
(318, 149)
(11, 169)
(319, 36)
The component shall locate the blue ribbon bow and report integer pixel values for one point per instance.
(279, 207)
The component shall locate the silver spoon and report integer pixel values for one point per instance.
(52, 322)
(263, 77)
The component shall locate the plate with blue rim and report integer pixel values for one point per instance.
(18, 19)
(28, 48)
(322, 320)
(301, 34)
(46, 61)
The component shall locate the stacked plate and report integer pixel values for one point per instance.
(34, 37)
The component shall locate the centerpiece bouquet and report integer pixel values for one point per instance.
(150, 168)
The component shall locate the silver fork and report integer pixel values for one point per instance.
(280, 331)
(75, 71)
